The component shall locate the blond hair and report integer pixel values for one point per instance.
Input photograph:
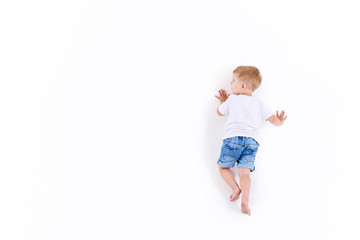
(250, 74)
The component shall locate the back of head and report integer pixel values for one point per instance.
(251, 76)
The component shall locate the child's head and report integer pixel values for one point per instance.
(246, 79)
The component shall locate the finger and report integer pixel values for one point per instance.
(277, 113)
(217, 97)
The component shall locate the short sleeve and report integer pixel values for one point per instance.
(224, 107)
(265, 112)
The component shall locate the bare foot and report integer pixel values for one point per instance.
(245, 207)
(235, 194)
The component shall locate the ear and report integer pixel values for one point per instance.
(243, 85)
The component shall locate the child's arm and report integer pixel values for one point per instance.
(219, 113)
(277, 119)
(222, 98)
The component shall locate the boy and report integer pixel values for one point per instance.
(240, 141)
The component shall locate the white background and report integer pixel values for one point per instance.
(109, 129)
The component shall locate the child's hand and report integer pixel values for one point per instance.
(223, 96)
(281, 117)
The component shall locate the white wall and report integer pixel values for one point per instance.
(109, 127)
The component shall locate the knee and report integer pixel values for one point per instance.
(244, 172)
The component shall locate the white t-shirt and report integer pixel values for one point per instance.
(245, 116)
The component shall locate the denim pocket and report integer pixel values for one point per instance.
(250, 152)
(229, 153)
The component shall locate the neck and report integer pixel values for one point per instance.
(247, 94)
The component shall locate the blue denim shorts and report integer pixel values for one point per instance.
(240, 150)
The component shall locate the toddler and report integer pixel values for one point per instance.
(240, 141)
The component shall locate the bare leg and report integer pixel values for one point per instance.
(229, 178)
(245, 183)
